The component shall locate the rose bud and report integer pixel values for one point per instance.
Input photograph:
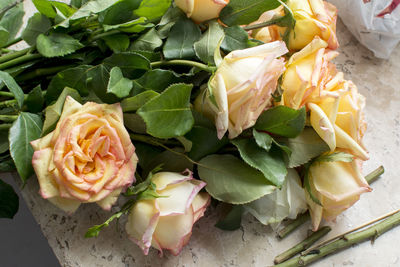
(313, 18)
(89, 157)
(201, 10)
(166, 222)
(339, 120)
(242, 86)
(308, 73)
(337, 185)
(269, 33)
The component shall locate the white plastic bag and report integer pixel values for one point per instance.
(375, 23)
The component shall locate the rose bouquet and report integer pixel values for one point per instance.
(175, 106)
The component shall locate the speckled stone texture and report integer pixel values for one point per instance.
(255, 244)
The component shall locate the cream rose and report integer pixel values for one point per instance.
(313, 18)
(166, 222)
(242, 86)
(89, 157)
(337, 185)
(270, 33)
(201, 10)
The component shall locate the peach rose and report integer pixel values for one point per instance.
(313, 18)
(201, 10)
(166, 222)
(271, 33)
(337, 185)
(89, 157)
(242, 86)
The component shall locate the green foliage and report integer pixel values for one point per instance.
(270, 163)
(157, 80)
(242, 12)
(118, 84)
(232, 220)
(282, 120)
(133, 65)
(263, 140)
(148, 41)
(183, 35)
(13, 87)
(204, 142)
(133, 103)
(25, 129)
(9, 202)
(207, 44)
(168, 115)
(10, 23)
(236, 38)
(37, 24)
(231, 180)
(53, 112)
(117, 42)
(56, 44)
(35, 100)
(152, 9)
(304, 147)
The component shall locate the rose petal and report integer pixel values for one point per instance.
(40, 162)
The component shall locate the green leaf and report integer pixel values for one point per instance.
(263, 140)
(133, 65)
(45, 7)
(336, 156)
(25, 129)
(157, 80)
(97, 81)
(204, 142)
(9, 201)
(95, 230)
(287, 202)
(232, 220)
(12, 21)
(117, 42)
(133, 26)
(282, 120)
(231, 180)
(13, 87)
(271, 163)
(35, 100)
(120, 13)
(152, 9)
(242, 12)
(75, 78)
(207, 44)
(133, 103)
(118, 84)
(168, 115)
(89, 8)
(53, 112)
(168, 20)
(308, 187)
(148, 41)
(63, 8)
(236, 38)
(37, 24)
(57, 44)
(135, 123)
(304, 147)
(183, 35)
(4, 34)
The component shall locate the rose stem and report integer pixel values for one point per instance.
(19, 60)
(8, 118)
(264, 24)
(42, 72)
(346, 240)
(293, 225)
(7, 94)
(5, 126)
(183, 63)
(306, 243)
(374, 175)
(13, 55)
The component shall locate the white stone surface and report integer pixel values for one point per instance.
(255, 244)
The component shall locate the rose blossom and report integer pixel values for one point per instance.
(313, 18)
(166, 222)
(242, 86)
(89, 157)
(201, 10)
(337, 185)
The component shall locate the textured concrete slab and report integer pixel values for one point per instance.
(255, 244)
